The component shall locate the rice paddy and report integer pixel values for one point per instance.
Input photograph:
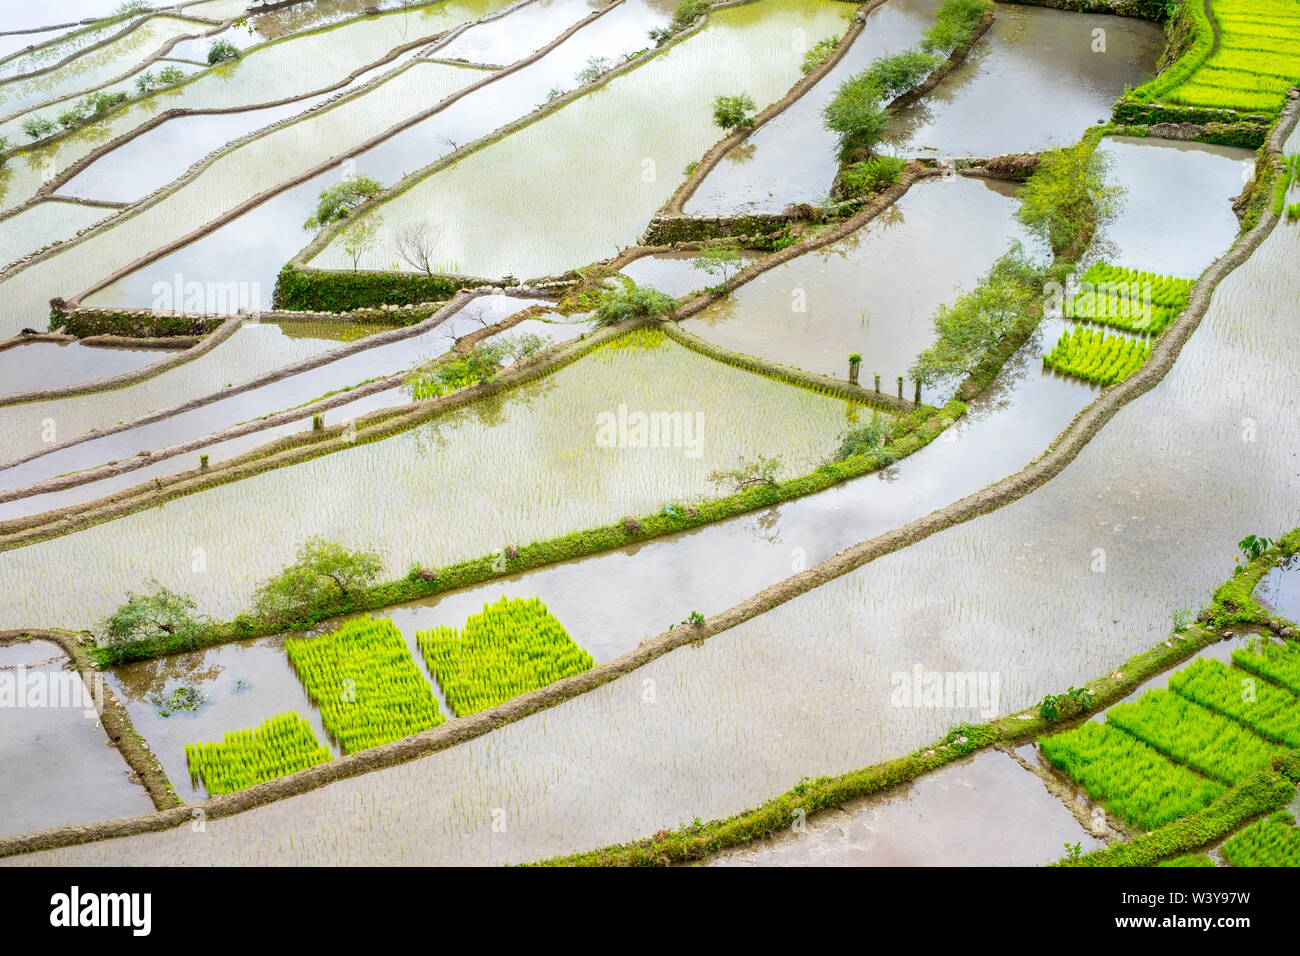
(367, 686)
(280, 745)
(1096, 356)
(1274, 662)
(1268, 710)
(1273, 841)
(512, 647)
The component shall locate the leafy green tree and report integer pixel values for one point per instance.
(221, 51)
(857, 116)
(595, 68)
(972, 326)
(171, 75)
(160, 614)
(325, 576)
(720, 257)
(338, 200)
(38, 127)
(865, 439)
(360, 238)
(734, 112)
(817, 54)
(892, 76)
(1067, 197)
(749, 474)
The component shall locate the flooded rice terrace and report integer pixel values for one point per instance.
(249, 231)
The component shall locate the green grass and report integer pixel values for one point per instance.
(1188, 859)
(512, 647)
(368, 688)
(1273, 662)
(1128, 299)
(1273, 841)
(279, 746)
(1097, 357)
(1273, 713)
(1129, 778)
(1217, 746)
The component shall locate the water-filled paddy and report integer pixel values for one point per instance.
(44, 224)
(542, 454)
(70, 773)
(1031, 82)
(791, 159)
(875, 292)
(55, 364)
(616, 154)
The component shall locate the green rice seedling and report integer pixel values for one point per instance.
(1273, 662)
(1096, 357)
(279, 746)
(1129, 778)
(512, 647)
(1129, 299)
(366, 684)
(1268, 710)
(1206, 741)
(1273, 841)
(1188, 859)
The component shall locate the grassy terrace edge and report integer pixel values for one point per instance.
(1233, 605)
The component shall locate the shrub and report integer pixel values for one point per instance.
(595, 68)
(865, 439)
(630, 301)
(892, 76)
(816, 55)
(336, 201)
(221, 51)
(1067, 199)
(856, 116)
(687, 13)
(733, 112)
(38, 127)
(720, 257)
(161, 614)
(870, 176)
(171, 75)
(953, 24)
(439, 377)
(325, 576)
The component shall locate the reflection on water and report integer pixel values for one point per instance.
(1280, 589)
(56, 364)
(1032, 81)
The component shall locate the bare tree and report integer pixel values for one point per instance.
(416, 241)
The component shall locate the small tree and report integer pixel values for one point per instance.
(864, 439)
(749, 474)
(336, 201)
(326, 576)
(160, 614)
(856, 116)
(171, 75)
(221, 51)
(733, 112)
(629, 300)
(416, 240)
(720, 257)
(595, 68)
(360, 238)
(1067, 196)
(38, 127)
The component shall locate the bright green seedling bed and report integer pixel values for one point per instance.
(279, 746)
(1128, 299)
(1129, 778)
(368, 687)
(1272, 662)
(512, 647)
(1096, 357)
(1188, 859)
(1217, 746)
(1270, 842)
(1269, 711)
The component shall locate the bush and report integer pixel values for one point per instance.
(953, 24)
(171, 75)
(160, 615)
(630, 301)
(325, 576)
(481, 364)
(865, 439)
(871, 176)
(336, 201)
(892, 76)
(818, 54)
(971, 327)
(221, 51)
(38, 127)
(856, 116)
(687, 13)
(733, 112)
(1067, 198)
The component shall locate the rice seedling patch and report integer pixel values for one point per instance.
(1273, 662)
(1097, 357)
(279, 746)
(1269, 711)
(1131, 779)
(1128, 299)
(1273, 841)
(513, 646)
(368, 688)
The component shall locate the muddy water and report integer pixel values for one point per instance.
(70, 773)
(536, 453)
(1172, 189)
(1280, 590)
(277, 396)
(792, 158)
(288, 393)
(875, 292)
(1033, 80)
(516, 36)
(243, 684)
(984, 811)
(255, 245)
(251, 351)
(617, 153)
(54, 364)
(45, 224)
